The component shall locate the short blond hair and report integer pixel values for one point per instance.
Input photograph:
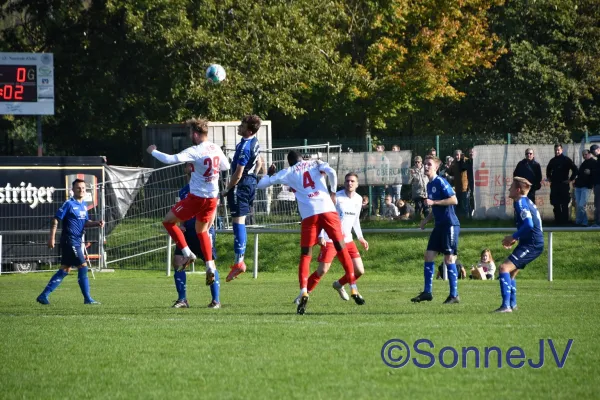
(434, 159)
(523, 184)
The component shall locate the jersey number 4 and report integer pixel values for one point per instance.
(212, 166)
(307, 180)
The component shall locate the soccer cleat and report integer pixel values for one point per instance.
(297, 299)
(503, 310)
(452, 300)
(213, 304)
(236, 269)
(188, 260)
(181, 304)
(92, 302)
(302, 305)
(358, 299)
(42, 300)
(340, 289)
(210, 277)
(423, 296)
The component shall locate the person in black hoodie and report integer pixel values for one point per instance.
(531, 170)
(583, 187)
(557, 173)
(595, 150)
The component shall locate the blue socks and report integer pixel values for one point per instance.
(428, 273)
(215, 288)
(505, 288)
(180, 284)
(56, 279)
(84, 283)
(453, 279)
(239, 241)
(513, 293)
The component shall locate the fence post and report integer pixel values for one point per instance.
(587, 139)
(0, 254)
(169, 242)
(255, 272)
(305, 144)
(102, 232)
(327, 147)
(508, 138)
(437, 146)
(550, 256)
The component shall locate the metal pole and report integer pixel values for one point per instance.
(0, 254)
(437, 145)
(508, 138)
(169, 242)
(255, 272)
(39, 136)
(102, 232)
(550, 256)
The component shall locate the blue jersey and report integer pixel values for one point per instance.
(527, 215)
(246, 154)
(190, 224)
(439, 189)
(73, 215)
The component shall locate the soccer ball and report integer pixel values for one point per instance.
(215, 73)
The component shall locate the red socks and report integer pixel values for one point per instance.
(346, 261)
(176, 234)
(303, 270)
(205, 245)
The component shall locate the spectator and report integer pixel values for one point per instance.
(405, 210)
(432, 152)
(445, 170)
(418, 180)
(389, 209)
(470, 178)
(364, 210)
(396, 188)
(557, 173)
(486, 262)
(595, 150)
(379, 190)
(458, 170)
(531, 170)
(583, 187)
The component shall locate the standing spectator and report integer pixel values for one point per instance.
(458, 170)
(557, 173)
(389, 209)
(418, 180)
(364, 210)
(595, 150)
(583, 187)
(444, 171)
(470, 178)
(379, 190)
(531, 170)
(396, 188)
(432, 152)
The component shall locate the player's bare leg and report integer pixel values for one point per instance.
(171, 224)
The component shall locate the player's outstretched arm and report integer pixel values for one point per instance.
(163, 157)
(272, 178)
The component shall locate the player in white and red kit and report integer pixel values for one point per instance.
(208, 160)
(317, 211)
(348, 205)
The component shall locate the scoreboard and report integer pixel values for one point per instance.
(27, 83)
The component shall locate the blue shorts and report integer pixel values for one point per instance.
(444, 239)
(241, 198)
(194, 243)
(524, 254)
(71, 255)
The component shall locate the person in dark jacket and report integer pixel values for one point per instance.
(583, 187)
(557, 173)
(531, 170)
(595, 150)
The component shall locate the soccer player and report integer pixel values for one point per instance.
(74, 216)
(531, 242)
(348, 205)
(189, 231)
(207, 160)
(241, 188)
(317, 210)
(444, 237)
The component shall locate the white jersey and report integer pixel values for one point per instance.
(309, 185)
(349, 210)
(208, 160)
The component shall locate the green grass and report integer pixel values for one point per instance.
(135, 346)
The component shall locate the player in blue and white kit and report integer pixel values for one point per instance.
(531, 242)
(189, 232)
(241, 189)
(444, 237)
(74, 216)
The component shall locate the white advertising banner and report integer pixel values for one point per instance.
(376, 168)
(493, 167)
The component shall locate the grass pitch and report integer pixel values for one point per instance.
(135, 346)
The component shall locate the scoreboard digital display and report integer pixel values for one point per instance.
(27, 83)
(18, 83)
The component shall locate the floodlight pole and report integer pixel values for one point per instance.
(39, 136)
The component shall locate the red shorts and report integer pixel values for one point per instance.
(328, 252)
(193, 206)
(312, 226)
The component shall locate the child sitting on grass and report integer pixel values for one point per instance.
(486, 262)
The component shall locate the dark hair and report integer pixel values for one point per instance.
(199, 126)
(76, 181)
(557, 145)
(252, 122)
(293, 157)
